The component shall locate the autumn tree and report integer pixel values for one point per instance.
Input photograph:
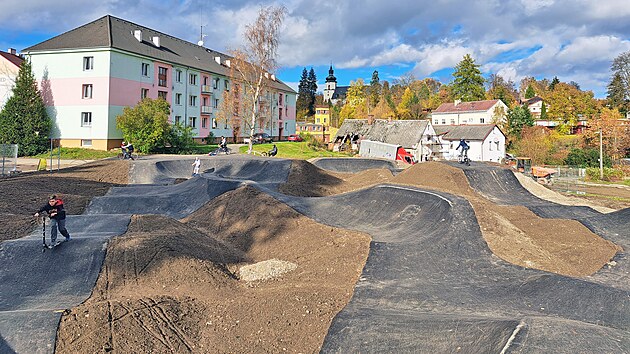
(499, 88)
(615, 135)
(530, 93)
(409, 107)
(468, 83)
(536, 143)
(567, 105)
(23, 119)
(554, 82)
(617, 94)
(255, 61)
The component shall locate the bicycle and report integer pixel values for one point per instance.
(123, 156)
(463, 158)
(225, 150)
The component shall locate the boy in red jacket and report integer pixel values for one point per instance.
(57, 216)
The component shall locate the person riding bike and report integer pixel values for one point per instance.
(273, 151)
(464, 146)
(127, 150)
(223, 144)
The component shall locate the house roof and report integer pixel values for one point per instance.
(533, 100)
(14, 59)
(406, 133)
(473, 106)
(340, 92)
(112, 32)
(466, 131)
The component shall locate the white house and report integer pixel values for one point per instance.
(9, 68)
(487, 142)
(475, 112)
(534, 105)
(417, 137)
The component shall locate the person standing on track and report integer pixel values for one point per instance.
(57, 215)
(196, 165)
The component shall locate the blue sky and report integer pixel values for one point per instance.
(574, 40)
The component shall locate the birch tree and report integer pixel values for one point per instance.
(254, 63)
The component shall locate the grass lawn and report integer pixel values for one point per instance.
(294, 150)
(78, 154)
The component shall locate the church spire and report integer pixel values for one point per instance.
(331, 75)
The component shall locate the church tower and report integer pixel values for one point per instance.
(331, 85)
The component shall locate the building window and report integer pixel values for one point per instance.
(193, 101)
(178, 76)
(205, 101)
(86, 142)
(452, 122)
(204, 122)
(215, 83)
(192, 122)
(280, 99)
(145, 69)
(482, 120)
(162, 75)
(205, 80)
(435, 122)
(162, 94)
(192, 79)
(178, 98)
(227, 85)
(88, 63)
(444, 121)
(86, 119)
(214, 123)
(178, 119)
(215, 103)
(87, 91)
(144, 93)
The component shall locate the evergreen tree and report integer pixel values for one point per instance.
(553, 83)
(543, 111)
(302, 103)
(24, 119)
(530, 93)
(517, 118)
(312, 91)
(375, 89)
(468, 84)
(616, 93)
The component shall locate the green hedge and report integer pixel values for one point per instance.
(610, 174)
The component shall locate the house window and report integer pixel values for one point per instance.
(178, 76)
(88, 63)
(482, 120)
(280, 115)
(178, 98)
(86, 119)
(87, 91)
(192, 101)
(214, 123)
(178, 119)
(436, 122)
(205, 101)
(86, 142)
(162, 94)
(227, 85)
(444, 121)
(144, 93)
(192, 79)
(452, 122)
(205, 80)
(215, 103)
(192, 121)
(280, 99)
(204, 122)
(215, 83)
(490, 146)
(145, 69)
(162, 72)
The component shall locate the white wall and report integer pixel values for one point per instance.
(8, 73)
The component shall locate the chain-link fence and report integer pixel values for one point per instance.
(569, 179)
(8, 154)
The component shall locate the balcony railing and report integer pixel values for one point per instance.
(206, 110)
(206, 89)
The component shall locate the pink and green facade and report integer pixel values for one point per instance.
(89, 74)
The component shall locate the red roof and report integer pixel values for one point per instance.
(473, 106)
(17, 61)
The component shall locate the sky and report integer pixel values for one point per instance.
(575, 40)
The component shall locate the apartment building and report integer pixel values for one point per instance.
(89, 74)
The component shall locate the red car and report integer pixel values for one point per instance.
(294, 137)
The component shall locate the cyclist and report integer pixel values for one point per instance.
(464, 146)
(273, 151)
(127, 150)
(223, 145)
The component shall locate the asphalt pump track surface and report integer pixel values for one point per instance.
(430, 283)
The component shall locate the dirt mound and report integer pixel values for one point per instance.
(436, 175)
(170, 286)
(308, 180)
(23, 195)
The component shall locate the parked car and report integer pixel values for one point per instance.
(260, 138)
(294, 137)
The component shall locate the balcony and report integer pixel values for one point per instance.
(207, 89)
(206, 110)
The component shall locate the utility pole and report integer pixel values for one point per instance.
(601, 155)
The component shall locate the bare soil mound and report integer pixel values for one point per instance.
(170, 286)
(436, 175)
(23, 195)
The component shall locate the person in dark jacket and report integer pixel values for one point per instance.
(57, 214)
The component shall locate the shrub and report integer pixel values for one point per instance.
(586, 158)
(610, 174)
